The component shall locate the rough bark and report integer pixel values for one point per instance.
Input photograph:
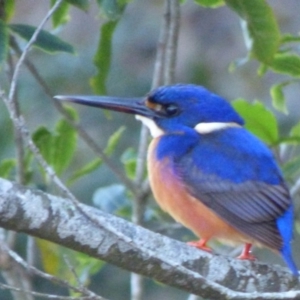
(139, 250)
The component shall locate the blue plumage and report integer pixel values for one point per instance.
(285, 227)
(214, 154)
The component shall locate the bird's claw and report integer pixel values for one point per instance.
(200, 245)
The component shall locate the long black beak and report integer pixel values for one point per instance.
(127, 105)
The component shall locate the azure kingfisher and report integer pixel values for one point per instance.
(207, 171)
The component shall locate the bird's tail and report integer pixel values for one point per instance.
(285, 227)
(287, 256)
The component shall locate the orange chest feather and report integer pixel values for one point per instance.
(172, 196)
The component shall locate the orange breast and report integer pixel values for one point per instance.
(173, 198)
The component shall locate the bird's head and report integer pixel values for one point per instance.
(171, 108)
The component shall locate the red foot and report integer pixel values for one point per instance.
(201, 244)
(246, 253)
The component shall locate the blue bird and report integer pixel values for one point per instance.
(207, 171)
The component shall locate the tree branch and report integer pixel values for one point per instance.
(139, 250)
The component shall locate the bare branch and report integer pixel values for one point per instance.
(27, 48)
(163, 74)
(139, 250)
(82, 133)
(46, 296)
(32, 270)
(172, 40)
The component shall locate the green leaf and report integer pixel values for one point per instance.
(112, 9)
(95, 164)
(81, 4)
(258, 119)
(114, 140)
(61, 15)
(58, 147)
(64, 143)
(28, 167)
(7, 10)
(102, 58)
(288, 38)
(6, 167)
(85, 268)
(261, 25)
(50, 256)
(42, 137)
(295, 131)
(210, 3)
(86, 169)
(128, 159)
(278, 98)
(290, 140)
(262, 70)
(45, 40)
(286, 63)
(4, 37)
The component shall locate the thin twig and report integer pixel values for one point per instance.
(12, 273)
(27, 48)
(46, 296)
(11, 101)
(172, 41)
(78, 289)
(18, 121)
(72, 270)
(163, 74)
(82, 133)
(295, 189)
(17, 136)
(20, 125)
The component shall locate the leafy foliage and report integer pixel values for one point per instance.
(45, 40)
(286, 63)
(128, 159)
(7, 10)
(61, 15)
(6, 167)
(210, 3)
(112, 9)
(57, 147)
(262, 27)
(95, 164)
(278, 97)
(4, 36)
(102, 58)
(259, 120)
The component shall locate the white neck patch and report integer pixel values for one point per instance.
(204, 128)
(154, 129)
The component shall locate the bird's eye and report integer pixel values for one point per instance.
(171, 110)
